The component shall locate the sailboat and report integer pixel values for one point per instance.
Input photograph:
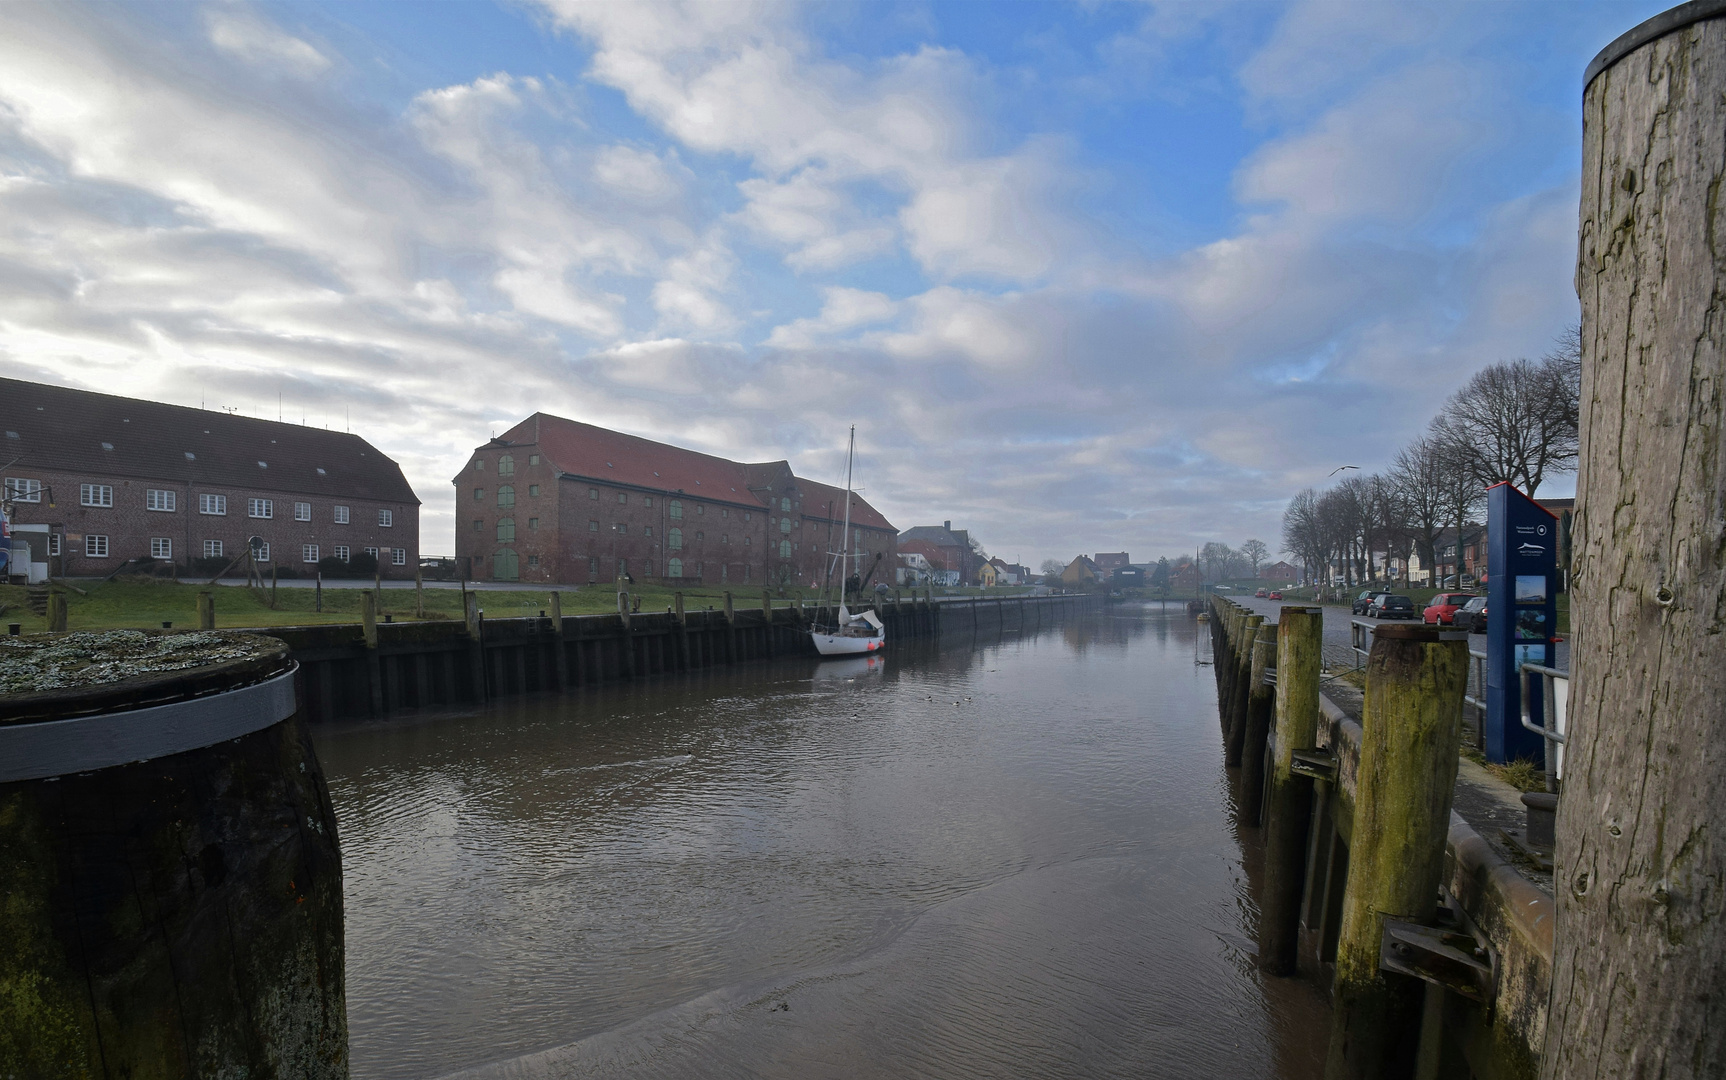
(849, 634)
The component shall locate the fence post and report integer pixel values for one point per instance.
(57, 609)
(419, 594)
(476, 644)
(682, 633)
(374, 667)
(562, 658)
(1411, 734)
(206, 609)
(1288, 809)
(1241, 655)
(1260, 699)
(767, 616)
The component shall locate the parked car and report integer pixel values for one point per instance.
(1276, 596)
(1261, 594)
(1442, 610)
(1471, 616)
(1361, 601)
(1391, 606)
(1373, 605)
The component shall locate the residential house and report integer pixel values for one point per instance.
(948, 550)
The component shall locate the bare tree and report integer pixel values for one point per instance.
(1303, 532)
(1217, 557)
(1419, 477)
(1052, 568)
(1254, 552)
(1515, 421)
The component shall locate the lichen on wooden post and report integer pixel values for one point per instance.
(1288, 807)
(1260, 699)
(1241, 657)
(1411, 736)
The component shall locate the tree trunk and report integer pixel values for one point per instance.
(1639, 964)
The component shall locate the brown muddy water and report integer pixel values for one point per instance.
(1010, 859)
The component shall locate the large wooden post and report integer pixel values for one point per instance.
(1411, 735)
(57, 609)
(206, 609)
(1260, 700)
(374, 668)
(767, 616)
(476, 644)
(419, 593)
(559, 648)
(1288, 808)
(1639, 956)
(1241, 656)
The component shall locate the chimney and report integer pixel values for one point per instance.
(948, 525)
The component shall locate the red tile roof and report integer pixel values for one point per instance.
(817, 497)
(79, 431)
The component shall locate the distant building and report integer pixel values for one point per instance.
(1129, 577)
(1007, 573)
(913, 569)
(98, 480)
(1280, 571)
(1107, 562)
(947, 549)
(1081, 571)
(557, 501)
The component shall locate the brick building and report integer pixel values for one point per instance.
(946, 549)
(1107, 562)
(114, 479)
(556, 501)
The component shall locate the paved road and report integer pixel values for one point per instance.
(1338, 649)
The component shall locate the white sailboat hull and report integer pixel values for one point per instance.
(846, 644)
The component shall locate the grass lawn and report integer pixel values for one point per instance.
(149, 603)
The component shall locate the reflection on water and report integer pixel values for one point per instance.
(1017, 859)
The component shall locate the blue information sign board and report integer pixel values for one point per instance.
(1522, 616)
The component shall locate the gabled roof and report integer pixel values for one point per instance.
(932, 534)
(602, 454)
(79, 431)
(818, 497)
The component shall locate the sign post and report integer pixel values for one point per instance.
(1522, 616)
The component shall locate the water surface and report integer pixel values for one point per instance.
(1010, 859)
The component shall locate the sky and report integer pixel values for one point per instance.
(1086, 277)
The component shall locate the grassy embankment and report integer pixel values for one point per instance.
(147, 604)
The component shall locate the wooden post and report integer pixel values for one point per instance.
(730, 629)
(476, 644)
(1411, 734)
(1288, 808)
(374, 668)
(273, 568)
(1260, 699)
(682, 631)
(57, 609)
(1639, 960)
(419, 593)
(206, 609)
(767, 614)
(559, 647)
(1241, 655)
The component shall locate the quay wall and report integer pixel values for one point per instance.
(438, 664)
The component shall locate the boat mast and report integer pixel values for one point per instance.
(845, 536)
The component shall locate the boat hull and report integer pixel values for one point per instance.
(846, 645)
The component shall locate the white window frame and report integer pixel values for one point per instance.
(386, 519)
(95, 546)
(24, 490)
(214, 549)
(54, 543)
(398, 556)
(162, 547)
(261, 508)
(213, 505)
(160, 500)
(302, 511)
(373, 552)
(95, 494)
(308, 553)
(341, 515)
(342, 552)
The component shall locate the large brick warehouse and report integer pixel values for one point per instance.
(103, 480)
(557, 501)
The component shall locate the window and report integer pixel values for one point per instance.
(373, 552)
(593, 493)
(505, 566)
(674, 541)
(262, 554)
(506, 496)
(161, 547)
(533, 491)
(593, 568)
(532, 524)
(784, 549)
(746, 541)
(724, 538)
(533, 560)
(593, 526)
(698, 535)
(96, 494)
(506, 466)
(623, 497)
(674, 568)
(700, 510)
(399, 557)
(340, 551)
(622, 529)
(260, 508)
(747, 516)
(95, 547)
(214, 505)
(479, 524)
(785, 525)
(784, 504)
(302, 511)
(53, 543)
(308, 553)
(506, 530)
(212, 549)
(675, 511)
(479, 494)
(479, 465)
(647, 531)
(341, 515)
(724, 513)
(533, 459)
(649, 568)
(24, 490)
(647, 500)
(158, 499)
(386, 519)
(622, 567)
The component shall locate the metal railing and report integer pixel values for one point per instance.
(1477, 679)
(1555, 705)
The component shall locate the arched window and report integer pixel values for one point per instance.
(676, 510)
(674, 541)
(505, 566)
(506, 495)
(506, 530)
(784, 504)
(674, 568)
(506, 466)
(785, 526)
(784, 549)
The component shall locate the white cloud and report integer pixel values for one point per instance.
(245, 35)
(843, 309)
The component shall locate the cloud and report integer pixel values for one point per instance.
(241, 33)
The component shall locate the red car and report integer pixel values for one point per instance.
(1276, 596)
(1261, 594)
(1442, 610)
